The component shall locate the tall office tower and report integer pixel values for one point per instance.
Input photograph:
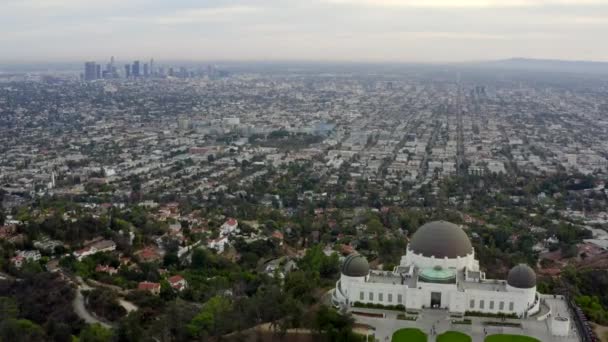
(146, 71)
(110, 71)
(183, 123)
(98, 71)
(90, 71)
(152, 71)
(135, 70)
(171, 72)
(127, 71)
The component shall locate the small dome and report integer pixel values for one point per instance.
(522, 276)
(441, 239)
(355, 265)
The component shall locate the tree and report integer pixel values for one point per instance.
(199, 258)
(104, 303)
(166, 291)
(58, 331)
(95, 333)
(173, 322)
(207, 321)
(21, 330)
(129, 328)
(315, 261)
(170, 259)
(334, 326)
(8, 308)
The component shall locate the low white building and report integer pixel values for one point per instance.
(229, 227)
(218, 244)
(97, 247)
(23, 256)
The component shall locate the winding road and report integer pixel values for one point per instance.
(80, 309)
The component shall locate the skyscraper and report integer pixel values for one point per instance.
(127, 71)
(97, 71)
(90, 71)
(152, 71)
(146, 71)
(135, 69)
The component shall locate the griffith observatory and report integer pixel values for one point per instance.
(438, 270)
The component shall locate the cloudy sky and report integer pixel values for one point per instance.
(353, 30)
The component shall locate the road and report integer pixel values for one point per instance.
(82, 312)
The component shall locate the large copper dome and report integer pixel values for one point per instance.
(441, 239)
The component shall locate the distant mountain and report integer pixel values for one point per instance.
(552, 65)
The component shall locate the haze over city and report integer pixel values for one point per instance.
(304, 170)
(321, 30)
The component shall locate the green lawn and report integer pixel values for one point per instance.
(510, 338)
(409, 335)
(453, 336)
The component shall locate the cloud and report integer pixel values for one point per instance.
(447, 4)
(305, 29)
(194, 15)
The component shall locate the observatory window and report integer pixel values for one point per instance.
(501, 306)
(491, 305)
(390, 297)
(481, 304)
(371, 296)
(361, 295)
(510, 306)
(380, 296)
(400, 299)
(472, 304)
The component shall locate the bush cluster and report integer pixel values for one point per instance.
(398, 307)
(487, 314)
(407, 318)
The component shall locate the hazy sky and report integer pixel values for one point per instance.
(356, 30)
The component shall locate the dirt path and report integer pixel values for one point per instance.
(127, 305)
(601, 331)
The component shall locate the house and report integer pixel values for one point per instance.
(148, 254)
(106, 269)
(219, 244)
(94, 248)
(17, 261)
(229, 227)
(178, 282)
(153, 288)
(23, 256)
(278, 236)
(53, 266)
(175, 228)
(8, 231)
(46, 244)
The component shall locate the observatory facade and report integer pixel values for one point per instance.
(439, 270)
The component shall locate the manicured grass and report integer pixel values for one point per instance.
(510, 338)
(409, 335)
(453, 336)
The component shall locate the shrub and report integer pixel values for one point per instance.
(398, 307)
(406, 318)
(487, 314)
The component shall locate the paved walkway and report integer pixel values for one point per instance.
(441, 321)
